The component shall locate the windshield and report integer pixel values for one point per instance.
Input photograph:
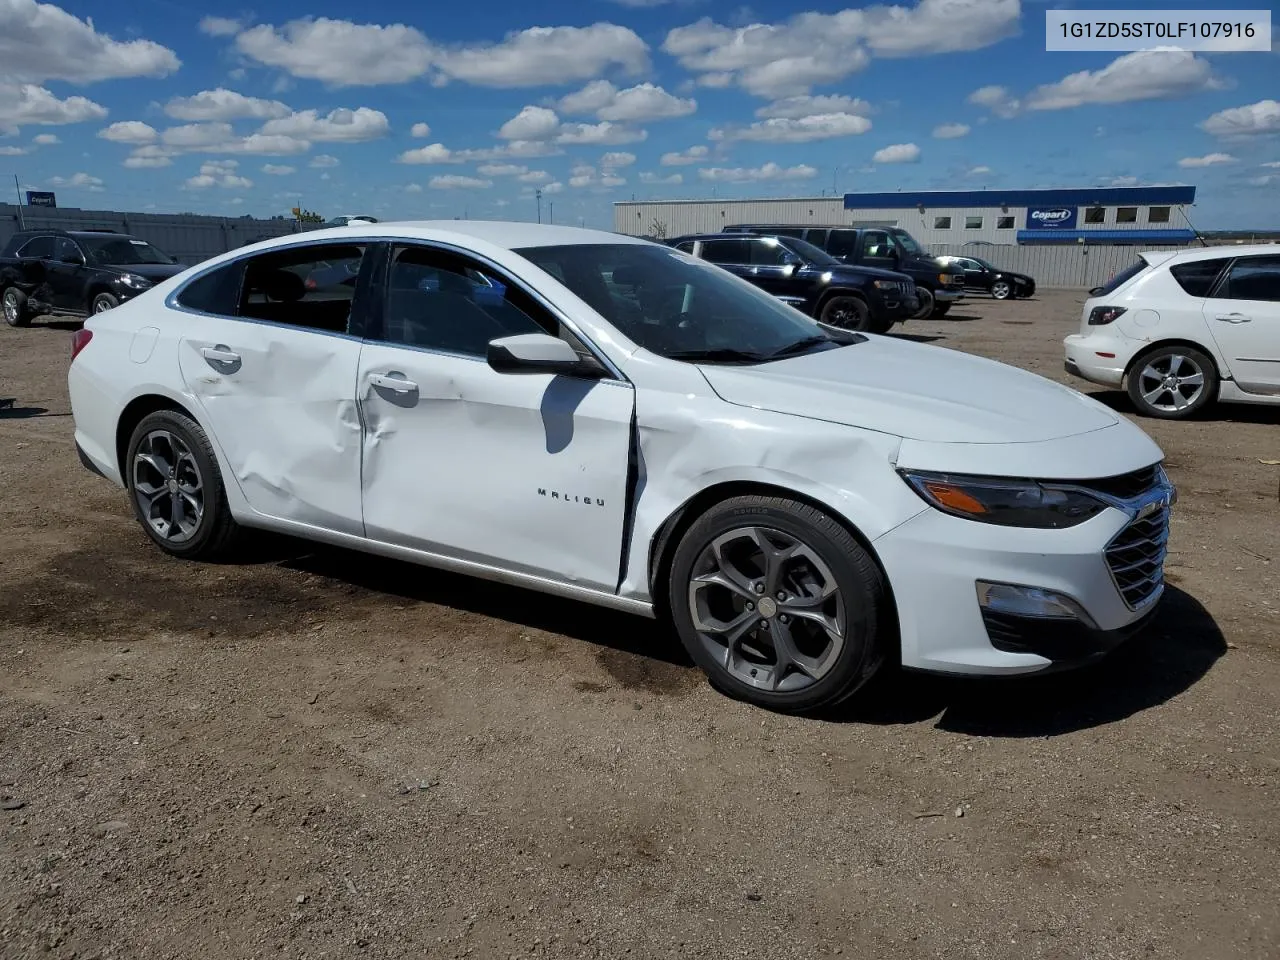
(678, 306)
(906, 241)
(815, 255)
(983, 263)
(122, 251)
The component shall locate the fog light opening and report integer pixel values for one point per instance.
(1034, 602)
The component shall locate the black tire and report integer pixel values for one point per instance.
(1002, 290)
(927, 303)
(13, 303)
(859, 604)
(103, 302)
(1149, 389)
(941, 310)
(215, 534)
(847, 313)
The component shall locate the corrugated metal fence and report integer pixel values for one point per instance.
(188, 238)
(1074, 266)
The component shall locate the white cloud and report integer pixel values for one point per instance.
(81, 181)
(823, 126)
(632, 105)
(454, 182)
(981, 171)
(150, 156)
(1143, 75)
(420, 130)
(265, 145)
(554, 187)
(997, 99)
(339, 52)
(547, 55)
(648, 177)
(278, 170)
(25, 104)
(219, 173)
(13, 151)
(323, 160)
(596, 95)
(897, 153)
(535, 176)
(1208, 160)
(769, 171)
(223, 104)
(432, 153)
(501, 169)
(1254, 119)
(129, 131)
(616, 159)
(951, 131)
(692, 155)
(1263, 180)
(413, 188)
(604, 133)
(45, 139)
(339, 126)
(195, 135)
(39, 41)
(787, 58)
(531, 123)
(1273, 165)
(796, 108)
(220, 26)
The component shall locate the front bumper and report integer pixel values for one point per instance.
(948, 294)
(935, 561)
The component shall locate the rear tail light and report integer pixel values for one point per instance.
(1101, 316)
(79, 340)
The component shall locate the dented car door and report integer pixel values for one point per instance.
(276, 384)
(525, 472)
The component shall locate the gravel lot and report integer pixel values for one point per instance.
(316, 754)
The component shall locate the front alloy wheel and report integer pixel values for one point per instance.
(15, 308)
(103, 302)
(1001, 290)
(847, 313)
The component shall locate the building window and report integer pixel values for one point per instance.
(1004, 223)
(973, 223)
(942, 223)
(1126, 214)
(1095, 215)
(1158, 215)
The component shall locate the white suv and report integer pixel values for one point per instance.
(1182, 329)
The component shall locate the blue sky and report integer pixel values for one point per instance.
(410, 110)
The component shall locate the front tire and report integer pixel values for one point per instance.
(176, 488)
(927, 303)
(16, 313)
(1172, 383)
(1002, 290)
(941, 310)
(778, 604)
(847, 313)
(103, 302)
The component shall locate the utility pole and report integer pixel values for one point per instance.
(551, 211)
(538, 193)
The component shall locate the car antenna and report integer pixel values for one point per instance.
(1183, 210)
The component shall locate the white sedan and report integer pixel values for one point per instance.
(609, 420)
(1180, 330)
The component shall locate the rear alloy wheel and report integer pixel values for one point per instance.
(847, 313)
(176, 487)
(15, 308)
(777, 603)
(1172, 383)
(102, 303)
(1001, 290)
(927, 303)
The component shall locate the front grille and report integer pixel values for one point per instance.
(1136, 558)
(1127, 485)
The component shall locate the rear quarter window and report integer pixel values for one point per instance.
(218, 291)
(1198, 277)
(1124, 276)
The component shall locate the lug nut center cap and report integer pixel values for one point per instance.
(768, 607)
(173, 486)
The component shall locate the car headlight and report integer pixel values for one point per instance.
(135, 281)
(1009, 503)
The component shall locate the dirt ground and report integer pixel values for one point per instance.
(316, 754)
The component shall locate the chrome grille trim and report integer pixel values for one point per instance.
(1135, 558)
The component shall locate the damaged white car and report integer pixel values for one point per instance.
(612, 421)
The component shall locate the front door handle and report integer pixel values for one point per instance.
(1235, 318)
(395, 383)
(220, 354)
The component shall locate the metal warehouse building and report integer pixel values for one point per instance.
(1108, 215)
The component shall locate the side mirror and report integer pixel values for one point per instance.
(540, 353)
(1095, 292)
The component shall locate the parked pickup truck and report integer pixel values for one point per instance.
(76, 272)
(798, 273)
(938, 286)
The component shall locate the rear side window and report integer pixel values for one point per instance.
(309, 287)
(686, 247)
(1198, 277)
(39, 248)
(218, 291)
(769, 253)
(725, 251)
(1123, 277)
(1253, 278)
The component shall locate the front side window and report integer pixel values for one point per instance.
(310, 286)
(677, 306)
(1126, 214)
(66, 251)
(769, 253)
(123, 251)
(1253, 278)
(442, 301)
(907, 242)
(876, 243)
(1198, 276)
(973, 223)
(38, 248)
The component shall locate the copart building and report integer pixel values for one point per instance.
(1110, 215)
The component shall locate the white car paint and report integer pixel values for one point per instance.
(567, 486)
(1242, 337)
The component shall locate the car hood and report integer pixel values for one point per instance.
(914, 391)
(844, 272)
(155, 272)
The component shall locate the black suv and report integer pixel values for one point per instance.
(76, 272)
(837, 294)
(891, 248)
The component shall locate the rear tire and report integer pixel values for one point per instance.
(176, 488)
(778, 604)
(1173, 382)
(847, 313)
(14, 303)
(102, 303)
(927, 303)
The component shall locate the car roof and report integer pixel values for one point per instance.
(510, 235)
(1213, 253)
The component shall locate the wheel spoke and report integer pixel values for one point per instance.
(787, 656)
(1175, 364)
(723, 578)
(1193, 380)
(1179, 401)
(775, 559)
(155, 462)
(1152, 396)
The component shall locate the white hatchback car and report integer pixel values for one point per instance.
(1182, 329)
(610, 420)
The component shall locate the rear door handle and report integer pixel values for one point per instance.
(397, 384)
(1235, 318)
(221, 354)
